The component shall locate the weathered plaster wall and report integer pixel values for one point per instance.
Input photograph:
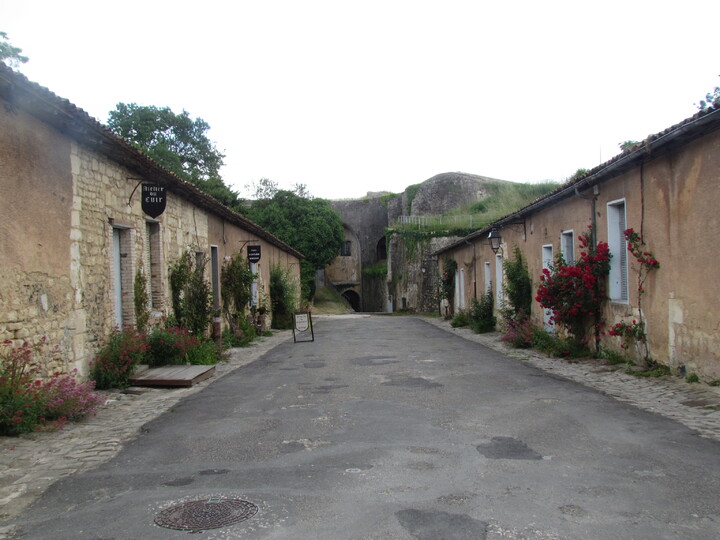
(346, 270)
(35, 205)
(672, 201)
(231, 239)
(60, 204)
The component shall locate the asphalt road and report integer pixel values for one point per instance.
(390, 428)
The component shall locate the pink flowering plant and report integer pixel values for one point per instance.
(30, 402)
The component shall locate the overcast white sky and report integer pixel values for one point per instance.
(349, 97)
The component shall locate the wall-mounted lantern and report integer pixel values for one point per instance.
(495, 239)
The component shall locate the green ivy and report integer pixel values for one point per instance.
(377, 270)
(191, 294)
(140, 299)
(236, 280)
(283, 295)
(411, 192)
(518, 285)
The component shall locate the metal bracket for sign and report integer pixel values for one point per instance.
(302, 327)
(140, 181)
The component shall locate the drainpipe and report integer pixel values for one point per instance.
(593, 218)
(474, 268)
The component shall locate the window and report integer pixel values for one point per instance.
(488, 278)
(618, 280)
(345, 249)
(567, 246)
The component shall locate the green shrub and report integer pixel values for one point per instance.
(460, 319)
(120, 354)
(169, 346)
(482, 318)
(241, 336)
(518, 286)
(236, 279)
(206, 353)
(554, 345)
(283, 297)
(191, 294)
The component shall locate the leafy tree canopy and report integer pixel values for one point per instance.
(712, 99)
(266, 189)
(178, 143)
(311, 226)
(9, 54)
(627, 145)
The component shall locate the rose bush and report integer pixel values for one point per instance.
(575, 292)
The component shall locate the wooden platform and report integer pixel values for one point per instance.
(172, 376)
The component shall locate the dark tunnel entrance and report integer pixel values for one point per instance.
(353, 298)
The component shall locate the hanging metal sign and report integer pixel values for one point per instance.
(153, 199)
(253, 253)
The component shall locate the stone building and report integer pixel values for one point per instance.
(73, 234)
(364, 223)
(664, 188)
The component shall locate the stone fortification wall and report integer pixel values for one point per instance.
(413, 275)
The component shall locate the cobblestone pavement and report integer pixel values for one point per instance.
(30, 464)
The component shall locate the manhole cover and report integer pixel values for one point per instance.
(206, 514)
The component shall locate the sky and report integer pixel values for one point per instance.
(348, 97)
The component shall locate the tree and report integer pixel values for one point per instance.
(266, 189)
(712, 99)
(627, 145)
(9, 54)
(311, 226)
(178, 143)
(518, 285)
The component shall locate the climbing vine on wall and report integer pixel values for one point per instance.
(140, 299)
(447, 281)
(190, 292)
(647, 262)
(236, 280)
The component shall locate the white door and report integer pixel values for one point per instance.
(462, 288)
(117, 278)
(547, 260)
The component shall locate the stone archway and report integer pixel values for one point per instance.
(353, 299)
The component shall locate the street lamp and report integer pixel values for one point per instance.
(495, 240)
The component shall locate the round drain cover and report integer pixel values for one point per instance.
(206, 514)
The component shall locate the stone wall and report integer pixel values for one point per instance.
(73, 238)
